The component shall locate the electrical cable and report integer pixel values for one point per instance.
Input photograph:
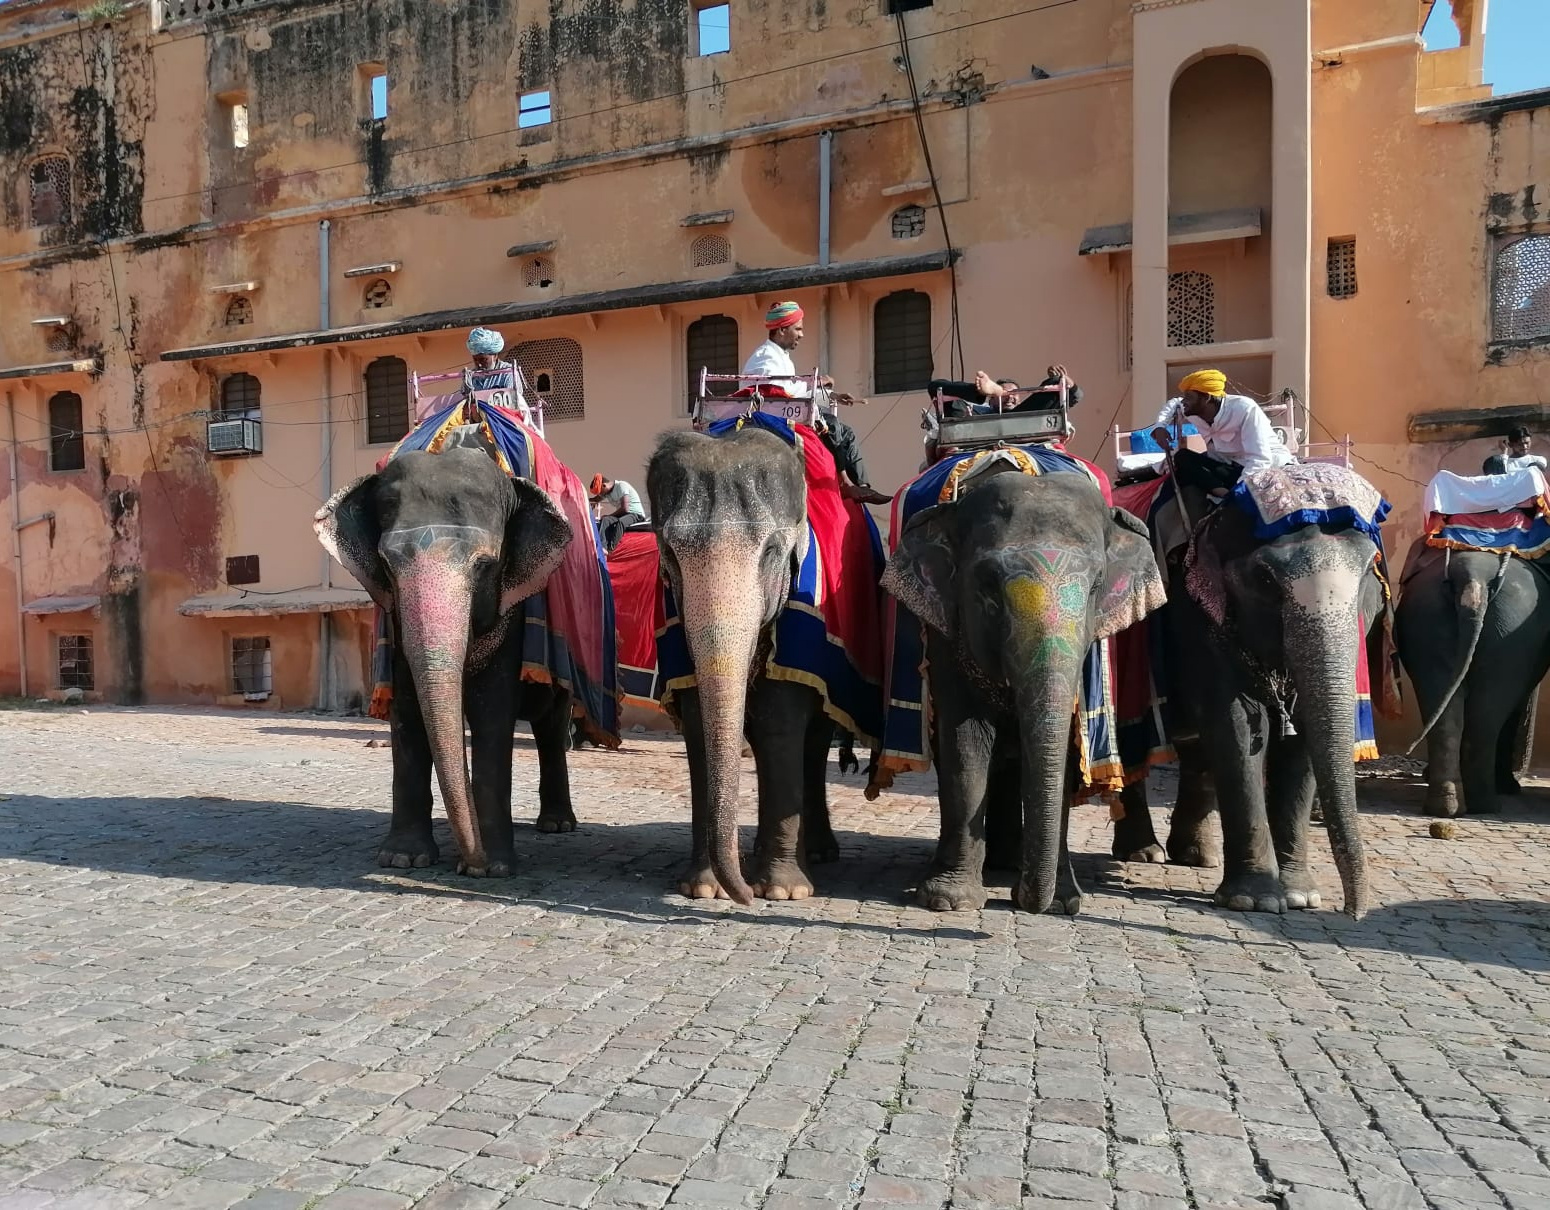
(955, 346)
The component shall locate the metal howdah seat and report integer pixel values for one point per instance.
(1027, 416)
(499, 387)
(745, 394)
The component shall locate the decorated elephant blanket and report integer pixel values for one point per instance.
(829, 636)
(1495, 514)
(1280, 499)
(907, 728)
(569, 634)
(634, 569)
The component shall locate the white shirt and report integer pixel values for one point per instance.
(622, 493)
(1241, 432)
(769, 360)
(1523, 461)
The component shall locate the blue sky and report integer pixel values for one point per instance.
(1517, 35)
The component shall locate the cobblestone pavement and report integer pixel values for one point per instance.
(210, 996)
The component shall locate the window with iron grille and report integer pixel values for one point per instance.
(240, 395)
(560, 358)
(66, 438)
(378, 295)
(387, 400)
(1340, 268)
(239, 311)
(538, 273)
(710, 250)
(73, 664)
(1191, 309)
(50, 178)
(711, 344)
(901, 342)
(909, 222)
(1520, 288)
(251, 670)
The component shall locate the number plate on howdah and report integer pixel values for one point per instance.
(1010, 428)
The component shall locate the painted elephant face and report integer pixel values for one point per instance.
(1026, 568)
(446, 528)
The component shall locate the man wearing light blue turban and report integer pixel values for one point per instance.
(490, 373)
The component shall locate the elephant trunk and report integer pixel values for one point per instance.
(721, 611)
(1323, 650)
(434, 611)
(1045, 735)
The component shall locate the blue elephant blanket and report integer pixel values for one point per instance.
(907, 729)
(828, 636)
(569, 632)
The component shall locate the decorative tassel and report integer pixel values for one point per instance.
(381, 703)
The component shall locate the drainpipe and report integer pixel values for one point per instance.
(16, 539)
(325, 627)
(825, 172)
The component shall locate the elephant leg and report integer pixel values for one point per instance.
(1068, 892)
(779, 718)
(818, 842)
(1290, 787)
(1193, 836)
(1134, 837)
(699, 880)
(1515, 749)
(1251, 879)
(1444, 743)
(491, 712)
(956, 882)
(551, 723)
(409, 843)
(1486, 717)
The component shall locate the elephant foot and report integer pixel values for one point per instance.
(1444, 805)
(1196, 853)
(1256, 892)
(493, 867)
(949, 893)
(551, 822)
(1134, 839)
(781, 880)
(700, 882)
(408, 851)
(1151, 854)
(1300, 891)
(1067, 900)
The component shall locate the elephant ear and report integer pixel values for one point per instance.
(1132, 586)
(537, 534)
(348, 528)
(921, 570)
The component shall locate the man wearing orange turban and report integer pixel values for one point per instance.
(1237, 431)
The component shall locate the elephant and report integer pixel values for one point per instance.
(730, 514)
(449, 546)
(1269, 629)
(1014, 581)
(1473, 632)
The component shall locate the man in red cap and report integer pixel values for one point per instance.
(772, 359)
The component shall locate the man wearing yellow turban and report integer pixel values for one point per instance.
(1237, 432)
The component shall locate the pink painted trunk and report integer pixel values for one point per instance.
(434, 609)
(721, 609)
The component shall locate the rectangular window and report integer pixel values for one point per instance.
(242, 569)
(379, 88)
(74, 663)
(534, 109)
(251, 673)
(713, 29)
(238, 117)
(66, 439)
(1340, 262)
(901, 342)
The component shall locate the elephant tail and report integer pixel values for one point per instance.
(1472, 608)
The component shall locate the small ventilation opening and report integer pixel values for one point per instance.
(239, 311)
(378, 295)
(237, 121)
(904, 6)
(710, 250)
(378, 91)
(713, 25)
(534, 109)
(909, 222)
(1341, 265)
(538, 273)
(543, 381)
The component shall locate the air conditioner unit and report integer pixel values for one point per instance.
(230, 438)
